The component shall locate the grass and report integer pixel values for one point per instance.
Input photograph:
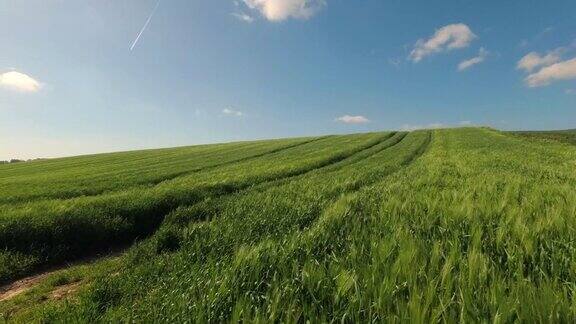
(96, 174)
(454, 225)
(45, 231)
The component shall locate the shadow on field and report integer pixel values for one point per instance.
(89, 231)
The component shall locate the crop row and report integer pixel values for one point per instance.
(48, 231)
(468, 225)
(92, 175)
(195, 261)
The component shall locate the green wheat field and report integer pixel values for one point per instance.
(448, 225)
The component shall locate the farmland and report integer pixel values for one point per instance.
(468, 224)
(566, 136)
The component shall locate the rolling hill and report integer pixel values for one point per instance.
(468, 224)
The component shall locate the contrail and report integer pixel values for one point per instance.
(145, 26)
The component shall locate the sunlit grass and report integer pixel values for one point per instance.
(46, 231)
(464, 225)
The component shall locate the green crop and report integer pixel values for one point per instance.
(455, 225)
(566, 136)
(44, 231)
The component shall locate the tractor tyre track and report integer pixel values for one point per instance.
(145, 226)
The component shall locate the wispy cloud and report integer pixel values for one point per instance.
(19, 82)
(232, 112)
(534, 60)
(409, 127)
(243, 17)
(537, 37)
(447, 38)
(466, 64)
(565, 70)
(278, 10)
(570, 91)
(135, 42)
(347, 119)
(395, 62)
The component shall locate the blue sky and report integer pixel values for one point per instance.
(213, 71)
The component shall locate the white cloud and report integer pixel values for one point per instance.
(444, 39)
(534, 60)
(231, 112)
(465, 123)
(482, 55)
(347, 119)
(20, 82)
(564, 70)
(278, 10)
(243, 17)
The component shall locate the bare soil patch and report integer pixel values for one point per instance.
(18, 287)
(64, 291)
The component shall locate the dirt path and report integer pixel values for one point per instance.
(18, 287)
(64, 291)
(22, 285)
